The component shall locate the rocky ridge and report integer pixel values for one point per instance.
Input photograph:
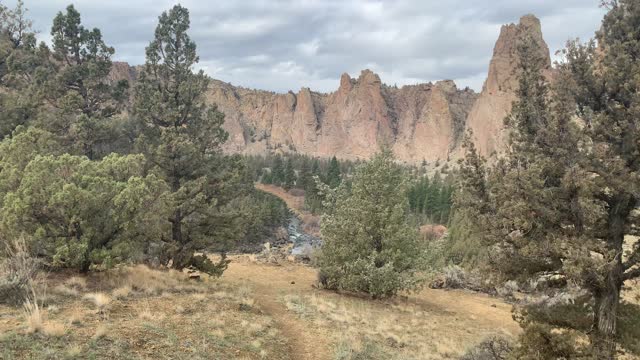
(423, 122)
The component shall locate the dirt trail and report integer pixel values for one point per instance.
(462, 314)
(270, 284)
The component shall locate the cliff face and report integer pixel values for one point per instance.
(419, 122)
(498, 93)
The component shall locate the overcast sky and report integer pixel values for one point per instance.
(283, 45)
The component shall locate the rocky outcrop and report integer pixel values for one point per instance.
(419, 122)
(423, 122)
(498, 93)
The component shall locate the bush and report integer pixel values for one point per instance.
(454, 277)
(492, 348)
(81, 213)
(368, 244)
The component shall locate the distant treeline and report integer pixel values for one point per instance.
(429, 195)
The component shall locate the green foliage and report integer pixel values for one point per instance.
(182, 138)
(333, 178)
(562, 197)
(368, 245)
(541, 342)
(277, 171)
(76, 84)
(430, 199)
(80, 213)
(289, 176)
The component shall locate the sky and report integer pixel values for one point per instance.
(283, 45)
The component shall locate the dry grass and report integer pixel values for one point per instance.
(33, 316)
(375, 330)
(152, 314)
(101, 332)
(54, 329)
(64, 290)
(100, 300)
(76, 282)
(122, 292)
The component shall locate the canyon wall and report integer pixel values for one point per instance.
(423, 122)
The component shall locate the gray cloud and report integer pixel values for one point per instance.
(286, 44)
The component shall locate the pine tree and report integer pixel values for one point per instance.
(333, 174)
(289, 175)
(277, 171)
(78, 85)
(369, 246)
(182, 138)
(305, 177)
(20, 61)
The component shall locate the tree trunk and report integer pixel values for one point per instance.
(183, 258)
(606, 308)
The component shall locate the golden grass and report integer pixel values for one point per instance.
(100, 300)
(101, 332)
(76, 282)
(404, 329)
(54, 329)
(62, 289)
(33, 316)
(205, 315)
(122, 292)
(74, 351)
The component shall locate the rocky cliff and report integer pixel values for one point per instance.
(498, 93)
(419, 122)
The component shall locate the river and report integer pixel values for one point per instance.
(303, 243)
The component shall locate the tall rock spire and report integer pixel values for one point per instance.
(498, 93)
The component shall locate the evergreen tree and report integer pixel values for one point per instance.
(78, 87)
(305, 177)
(607, 95)
(78, 213)
(313, 199)
(333, 173)
(182, 139)
(20, 61)
(289, 175)
(562, 198)
(277, 171)
(368, 244)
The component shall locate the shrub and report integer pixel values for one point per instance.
(492, 348)
(368, 244)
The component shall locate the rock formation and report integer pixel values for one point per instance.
(419, 122)
(498, 93)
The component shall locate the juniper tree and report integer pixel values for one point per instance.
(78, 213)
(607, 94)
(182, 138)
(368, 244)
(563, 196)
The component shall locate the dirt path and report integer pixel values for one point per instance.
(462, 318)
(270, 284)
